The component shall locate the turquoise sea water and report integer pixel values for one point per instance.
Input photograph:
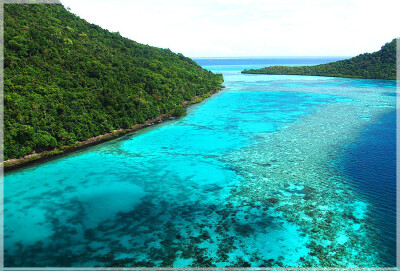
(254, 176)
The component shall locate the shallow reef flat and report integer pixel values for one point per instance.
(291, 171)
(247, 178)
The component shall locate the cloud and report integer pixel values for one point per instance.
(249, 28)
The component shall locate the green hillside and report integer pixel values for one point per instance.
(378, 65)
(67, 80)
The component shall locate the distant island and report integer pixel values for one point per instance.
(377, 65)
(69, 83)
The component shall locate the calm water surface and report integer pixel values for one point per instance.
(272, 171)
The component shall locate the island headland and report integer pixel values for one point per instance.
(69, 84)
(377, 65)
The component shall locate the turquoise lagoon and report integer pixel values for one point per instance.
(268, 172)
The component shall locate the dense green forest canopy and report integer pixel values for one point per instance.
(377, 65)
(67, 80)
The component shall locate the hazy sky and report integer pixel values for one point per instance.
(249, 27)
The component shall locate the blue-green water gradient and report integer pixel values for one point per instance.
(176, 194)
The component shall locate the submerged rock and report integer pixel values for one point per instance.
(273, 200)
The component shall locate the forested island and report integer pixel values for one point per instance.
(66, 81)
(377, 65)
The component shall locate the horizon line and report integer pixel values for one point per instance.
(236, 57)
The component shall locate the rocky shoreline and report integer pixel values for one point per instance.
(35, 158)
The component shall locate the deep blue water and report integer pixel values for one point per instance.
(267, 61)
(370, 162)
(245, 179)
